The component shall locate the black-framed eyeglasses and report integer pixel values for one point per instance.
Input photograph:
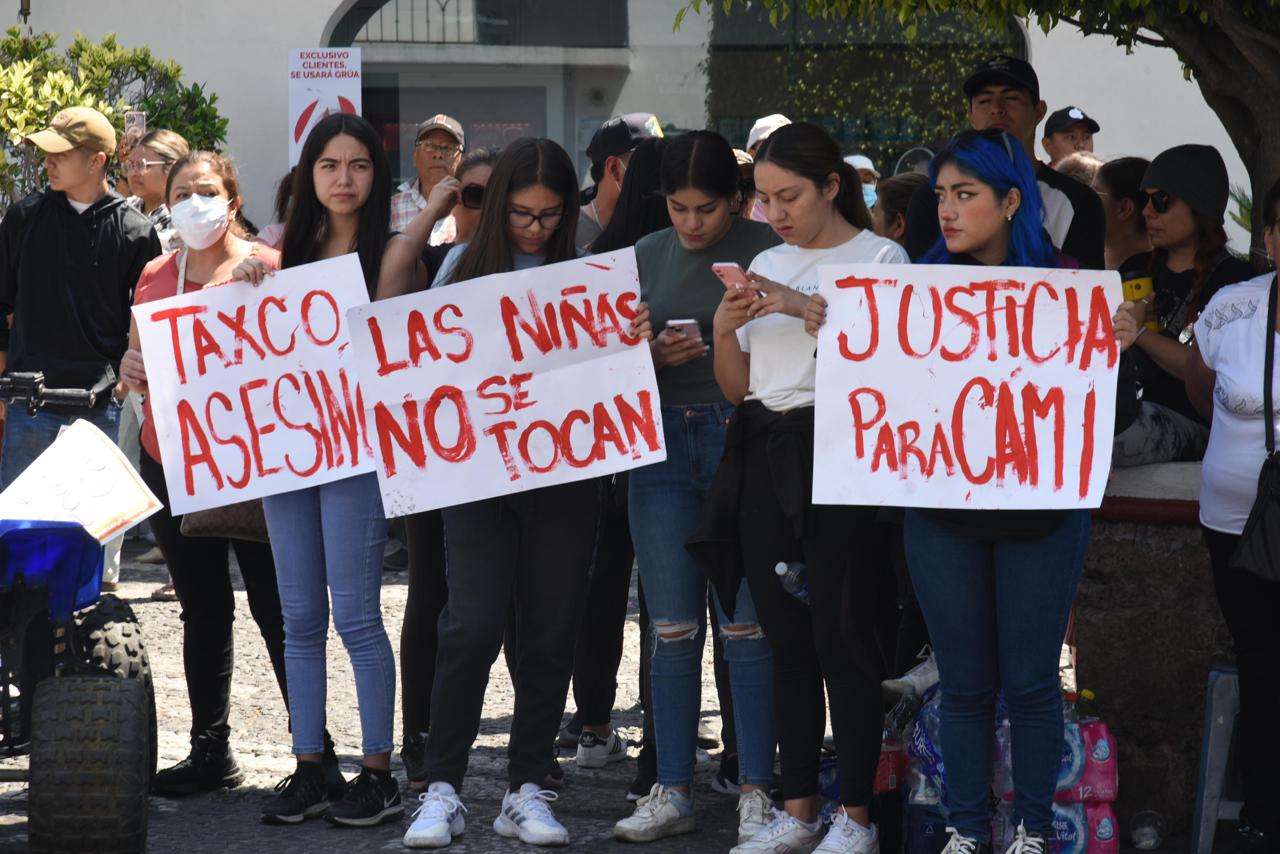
(524, 219)
(472, 196)
(1160, 200)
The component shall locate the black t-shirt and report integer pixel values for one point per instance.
(1176, 307)
(1073, 218)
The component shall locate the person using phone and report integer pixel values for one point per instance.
(699, 178)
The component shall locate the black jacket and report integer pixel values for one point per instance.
(68, 279)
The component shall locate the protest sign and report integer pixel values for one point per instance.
(507, 383)
(82, 477)
(253, 389)
(322, 81)
(965, 387)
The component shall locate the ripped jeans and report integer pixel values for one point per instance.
(665, 501)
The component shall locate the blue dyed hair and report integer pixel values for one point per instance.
(998, 160)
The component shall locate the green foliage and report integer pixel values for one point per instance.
(36, 81)
(1243, 214)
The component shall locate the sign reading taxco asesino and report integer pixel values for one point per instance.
(965, 387)
(508, 383)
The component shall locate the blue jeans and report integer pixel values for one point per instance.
(328, 542)
(27, 436)
(665, 501)
(997, 611)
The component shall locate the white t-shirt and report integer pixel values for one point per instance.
(1231, 334)
(782, 353)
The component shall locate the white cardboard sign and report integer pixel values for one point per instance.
(253, 389)
(507, 383)
(322, 81)
(965, 387)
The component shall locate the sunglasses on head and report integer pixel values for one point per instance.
(993, 134)
(472, 196)
(1159, 200)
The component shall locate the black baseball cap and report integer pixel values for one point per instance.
(622, 134)
(1062, 119)
(1008, 70)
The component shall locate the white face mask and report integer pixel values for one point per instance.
(200, 220)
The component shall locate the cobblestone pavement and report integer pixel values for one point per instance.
(228, 821)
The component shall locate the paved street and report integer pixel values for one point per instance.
(228, 821)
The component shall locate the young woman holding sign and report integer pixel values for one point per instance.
(534, 547)
(204, 197)
(328, 540)
(995, 586)
(764, 362)
(700, 180)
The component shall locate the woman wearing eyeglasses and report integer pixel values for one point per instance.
(148, 168)
(1186, 199)
(533, 548)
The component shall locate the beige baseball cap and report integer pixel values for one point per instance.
(76, 126)
(445, 123)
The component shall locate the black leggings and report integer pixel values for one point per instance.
(1250, 607)
(831, 640)
(201, 574)
(428, 592)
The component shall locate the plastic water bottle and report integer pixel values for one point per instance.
(792, 577)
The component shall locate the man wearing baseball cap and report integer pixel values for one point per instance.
(70, 255)
(1067, 131)
(609, 152)
(437, 149)
(1004, 94)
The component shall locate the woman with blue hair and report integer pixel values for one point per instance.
(996, 586)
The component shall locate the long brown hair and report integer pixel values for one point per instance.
(1211, 248)
(527, 162)
(810, 152)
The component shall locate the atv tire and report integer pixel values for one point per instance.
(90, 766)
(111, 639)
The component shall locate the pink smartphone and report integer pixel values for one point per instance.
(731, 274)
(689, 327)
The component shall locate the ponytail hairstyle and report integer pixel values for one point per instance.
(308, 222)
(703, 160)
(810, 152)
(996, 159)
(526, 162)
(221, 166)
(641, 208)
(1123, 179)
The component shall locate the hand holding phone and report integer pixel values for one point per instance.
(733, 276)
(687, 328)
(679, 343)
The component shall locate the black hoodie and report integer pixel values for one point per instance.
(68, 279)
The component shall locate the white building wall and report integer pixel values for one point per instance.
(238, 47)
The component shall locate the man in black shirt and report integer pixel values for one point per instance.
(1004, 93)
(70, 255)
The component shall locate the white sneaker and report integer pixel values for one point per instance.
(596, 753)
(786, 834)
(755, 812)
(526, 815)
(438, 818)
(846, 836)
(960, 844)
(663, 812)
(915, 681)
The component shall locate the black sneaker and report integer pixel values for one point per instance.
(334, 783)
(570, 733)
(1249, 840)
(414, 756)
(725, 780)
(646, 774)
(299, 796)
(210, 765)
(960, 844)
(371, 798)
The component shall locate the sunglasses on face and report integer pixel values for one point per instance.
(1159, 200)
(472, 196)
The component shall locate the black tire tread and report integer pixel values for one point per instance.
(90, 766)
(112, 639)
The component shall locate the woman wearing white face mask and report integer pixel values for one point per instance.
(204, 200)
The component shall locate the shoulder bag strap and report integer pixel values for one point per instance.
(1269, 365)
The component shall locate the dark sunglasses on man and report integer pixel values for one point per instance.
(472, 196)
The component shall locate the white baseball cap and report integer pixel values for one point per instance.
(765, 126)
(862, 161)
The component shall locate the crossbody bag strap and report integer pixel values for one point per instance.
(182, 272)
(1269, 365)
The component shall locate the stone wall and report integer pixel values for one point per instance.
(1147, 630)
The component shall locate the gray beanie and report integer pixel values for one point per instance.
(1194, 173)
